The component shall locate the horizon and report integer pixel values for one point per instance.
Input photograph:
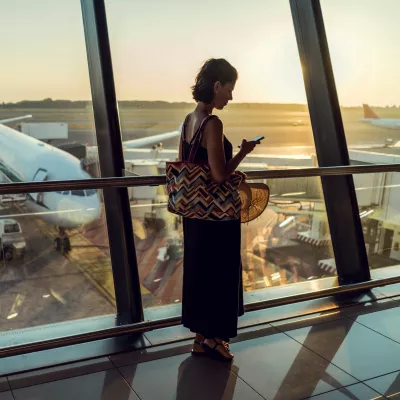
(190, 102)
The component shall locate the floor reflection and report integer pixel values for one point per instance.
(199, 379)
(335, 338)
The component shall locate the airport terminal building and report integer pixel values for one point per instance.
(93, 98)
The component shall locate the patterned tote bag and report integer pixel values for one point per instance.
(192, 193)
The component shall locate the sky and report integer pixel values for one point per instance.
(158, 46)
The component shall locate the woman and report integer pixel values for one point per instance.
(212, 279)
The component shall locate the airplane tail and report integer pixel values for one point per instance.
(369, 113)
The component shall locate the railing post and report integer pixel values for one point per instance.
(330, 142)
(109, 141)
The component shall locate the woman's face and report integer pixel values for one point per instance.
(223, 94)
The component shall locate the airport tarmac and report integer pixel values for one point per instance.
(45, 286)
(291, 140)
(288, 130)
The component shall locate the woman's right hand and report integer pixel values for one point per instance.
(247, 147)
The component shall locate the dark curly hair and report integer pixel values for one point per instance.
(213, 70)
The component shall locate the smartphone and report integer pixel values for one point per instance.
(256, 139)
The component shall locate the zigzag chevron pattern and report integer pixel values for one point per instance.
(193, 194)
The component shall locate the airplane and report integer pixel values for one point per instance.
(370, 117)
(26, 159)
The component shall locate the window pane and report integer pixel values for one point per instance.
(289, 243)
(362, 37)
(378, 200)
(45, 81)
(157, 50)
(48, 275)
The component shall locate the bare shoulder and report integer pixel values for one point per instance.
(214, 128)
(188, 118)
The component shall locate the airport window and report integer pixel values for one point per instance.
(72, 273)
(49, 98)
(291, 240)
(55, 251)
(378, 201)
(362, 38)
(57, 267)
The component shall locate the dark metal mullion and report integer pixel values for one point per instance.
(109, 141)
(330, 142)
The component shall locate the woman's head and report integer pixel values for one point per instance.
(215, 82)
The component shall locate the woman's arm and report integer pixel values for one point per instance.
(214, 140)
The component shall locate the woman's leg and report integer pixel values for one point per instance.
(198, 340)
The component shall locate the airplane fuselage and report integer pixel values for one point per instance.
(25, 159)
(383, 122)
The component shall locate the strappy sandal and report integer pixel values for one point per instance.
(227, 346)
(198, 353)
(214, 353)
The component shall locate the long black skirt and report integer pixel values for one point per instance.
(212, 277)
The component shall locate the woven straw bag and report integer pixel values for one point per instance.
(192, 193)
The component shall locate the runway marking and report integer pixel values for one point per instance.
(58, 297)
(19, 299)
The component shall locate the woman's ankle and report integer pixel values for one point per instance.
(199, 338)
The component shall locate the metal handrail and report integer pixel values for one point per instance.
(99, 183)
(145, 326)
(156, 180)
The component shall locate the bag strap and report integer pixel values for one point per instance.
(183, 132)
(196, 140)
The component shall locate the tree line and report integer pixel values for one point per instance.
(81, 104)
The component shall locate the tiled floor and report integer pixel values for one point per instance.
(350, 354)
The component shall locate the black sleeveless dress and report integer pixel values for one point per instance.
(212, 297)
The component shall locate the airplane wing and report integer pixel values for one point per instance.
(129, 144)
(15, 119)
(134, 143)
